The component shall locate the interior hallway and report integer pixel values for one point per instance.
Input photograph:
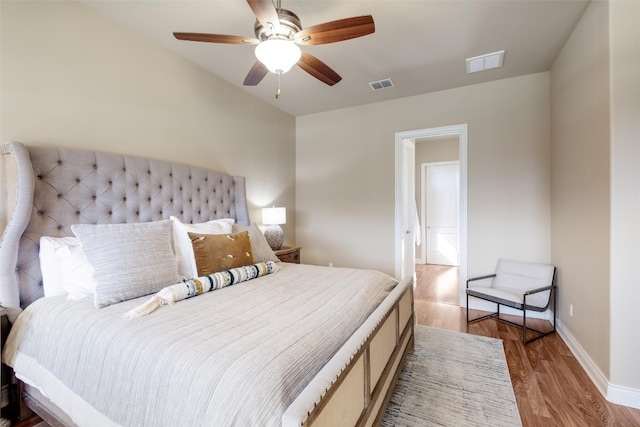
(550, 386)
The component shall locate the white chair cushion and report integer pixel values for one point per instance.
(514, 278)
(520, 276)
(538, 300)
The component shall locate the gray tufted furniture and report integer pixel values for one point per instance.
(55, 188)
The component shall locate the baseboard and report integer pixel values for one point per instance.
(619, 395)
(592, 370)
(622, 395)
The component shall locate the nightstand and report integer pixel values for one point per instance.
(289, 254)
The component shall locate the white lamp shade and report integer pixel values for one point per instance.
(271, 216)
(278, 55)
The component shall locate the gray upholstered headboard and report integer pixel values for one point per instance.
(49, 189)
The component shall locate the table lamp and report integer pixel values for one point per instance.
(273, 217)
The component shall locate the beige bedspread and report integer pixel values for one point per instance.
(235, 356)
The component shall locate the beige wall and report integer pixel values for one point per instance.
(580, 176)
(428, 150)
(345, 174)
(71, 78)
(625, 194)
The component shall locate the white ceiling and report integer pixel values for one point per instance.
(420, 44)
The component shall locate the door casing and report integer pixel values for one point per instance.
(406, 167)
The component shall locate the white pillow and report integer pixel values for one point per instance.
(77, 272)
(182, 243)
(65, 269)
(52, 279)
(130, 260)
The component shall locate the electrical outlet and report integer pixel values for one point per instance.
(570, 310)
(330, 264)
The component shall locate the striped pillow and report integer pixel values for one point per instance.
(130, 260)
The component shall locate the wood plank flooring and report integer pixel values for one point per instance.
(550, 386)
(442, 283)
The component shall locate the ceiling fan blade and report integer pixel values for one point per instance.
(266, 13)
(216, 38)
(335, 31)
(256, 74)
(318, 69)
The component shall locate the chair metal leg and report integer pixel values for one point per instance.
(496, 314)
(555, 296)
(541, 334)
(524, 321)
(467, 308)
(524, 326)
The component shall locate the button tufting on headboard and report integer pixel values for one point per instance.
(76, 186)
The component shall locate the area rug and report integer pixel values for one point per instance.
(453, 379)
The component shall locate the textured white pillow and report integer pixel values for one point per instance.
(130, 260)
(182, 243)
(52, 279)
(65, 269)
(259, 246)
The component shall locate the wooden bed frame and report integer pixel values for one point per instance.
(363, 390)
(361, 375)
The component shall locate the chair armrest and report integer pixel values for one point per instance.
(535, 291)
(488, 276)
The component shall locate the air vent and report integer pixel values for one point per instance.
(485, 62)
(381, 84)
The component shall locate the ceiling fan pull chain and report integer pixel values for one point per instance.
(278, 91)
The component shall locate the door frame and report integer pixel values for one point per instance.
(405, 231)
(402, 169)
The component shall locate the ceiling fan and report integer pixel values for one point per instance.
(279, 32)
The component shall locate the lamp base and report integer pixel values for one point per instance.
(274, 236)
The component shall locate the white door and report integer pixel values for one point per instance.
(442, 185)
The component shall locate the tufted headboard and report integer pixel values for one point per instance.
(46, 190)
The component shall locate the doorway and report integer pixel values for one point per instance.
(405, 143)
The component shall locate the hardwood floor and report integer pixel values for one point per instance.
(443, 283)
(550, 386)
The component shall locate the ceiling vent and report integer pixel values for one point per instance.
(381, 84)
(485, 62)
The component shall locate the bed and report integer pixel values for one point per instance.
(303, 346)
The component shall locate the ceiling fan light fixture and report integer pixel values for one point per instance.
(278, 55)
